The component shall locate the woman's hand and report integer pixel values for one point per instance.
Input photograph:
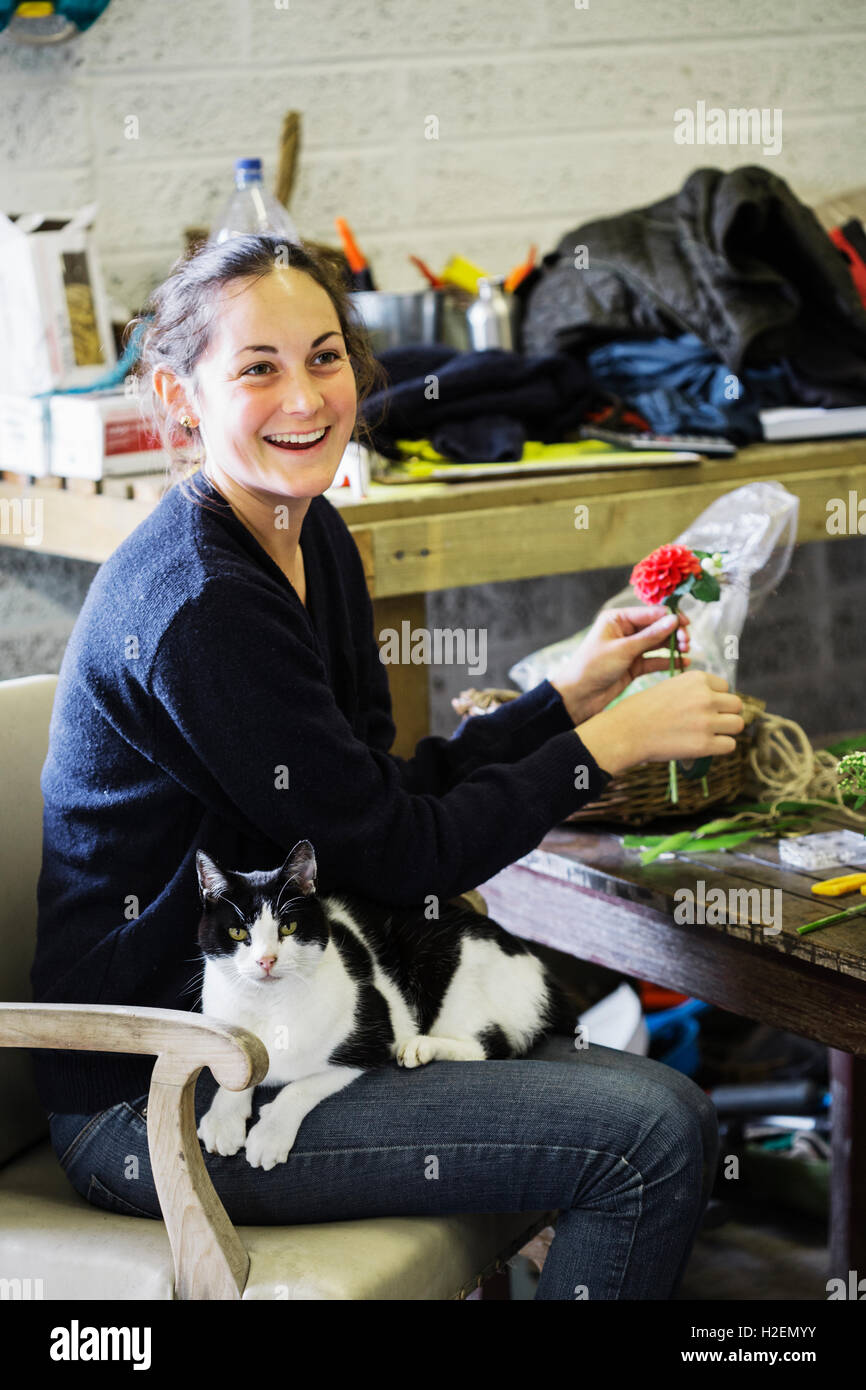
(690, 716)
(611, 656)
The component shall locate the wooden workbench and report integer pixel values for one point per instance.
(417, 538)
(583, 893)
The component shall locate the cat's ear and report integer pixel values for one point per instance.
(300, 866)
(211, 879)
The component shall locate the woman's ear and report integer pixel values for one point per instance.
(175, 397)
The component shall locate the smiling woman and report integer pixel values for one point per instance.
(255, 364)
(223, 692)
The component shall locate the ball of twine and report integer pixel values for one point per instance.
(785, 767)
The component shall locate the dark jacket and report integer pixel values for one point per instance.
(735, 258)
(201, 705)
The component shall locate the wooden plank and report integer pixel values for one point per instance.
(409, 683)
(697, 960)
(437, 536)
(73, 524)
(87, 487)
(435, 551)
(757, 461)
(600, 862)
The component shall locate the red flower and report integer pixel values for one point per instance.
(656, 577)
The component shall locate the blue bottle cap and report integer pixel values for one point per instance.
(251, 164)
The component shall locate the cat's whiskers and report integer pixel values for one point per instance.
(297, 900)
(194, 983)
(299, 973)
(225, 899)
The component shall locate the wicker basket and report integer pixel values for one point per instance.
(641, 794)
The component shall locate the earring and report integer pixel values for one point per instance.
(187, 423)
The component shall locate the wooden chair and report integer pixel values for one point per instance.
(48, 1231)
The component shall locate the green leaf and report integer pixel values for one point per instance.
(857, 744)
(667, 845)
(685, 587)
(717, 842)
(713, 827)
(699, 841)
(706, 589)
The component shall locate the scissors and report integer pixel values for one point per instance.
(834, 888)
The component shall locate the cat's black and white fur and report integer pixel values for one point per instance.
(337, 985)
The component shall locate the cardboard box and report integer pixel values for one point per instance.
(55, 327)
(25, 436)
(102, 434)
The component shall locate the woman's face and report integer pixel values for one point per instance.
(275, 392)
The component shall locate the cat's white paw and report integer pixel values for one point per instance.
(270, 1142)
(417, 1051)
(222, 1133)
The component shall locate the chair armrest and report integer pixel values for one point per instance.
(209, 1259)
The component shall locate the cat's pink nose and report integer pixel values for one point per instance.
(266, 962)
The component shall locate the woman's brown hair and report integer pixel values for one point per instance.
(177, 322)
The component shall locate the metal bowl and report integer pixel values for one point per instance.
(425, 316)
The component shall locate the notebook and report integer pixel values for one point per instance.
(812, 422)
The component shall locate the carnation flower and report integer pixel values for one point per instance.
(665, 576)
(656, 577)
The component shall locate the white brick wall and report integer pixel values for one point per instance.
(548, 114)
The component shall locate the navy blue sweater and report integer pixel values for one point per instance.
(200, 704)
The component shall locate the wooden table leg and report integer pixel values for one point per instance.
(847, 1165)
(410, 683)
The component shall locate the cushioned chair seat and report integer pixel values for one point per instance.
(48, 1231)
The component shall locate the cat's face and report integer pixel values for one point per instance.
(259, 928)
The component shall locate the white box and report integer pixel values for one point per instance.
(55, 327)
(25, 435)
(813, 422)
(101, 434)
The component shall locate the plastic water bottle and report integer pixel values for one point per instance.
(251, 208)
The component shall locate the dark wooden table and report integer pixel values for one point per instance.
(582, 892)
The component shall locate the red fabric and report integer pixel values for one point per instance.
(855, 264)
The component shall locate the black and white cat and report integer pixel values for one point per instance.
(337, 985)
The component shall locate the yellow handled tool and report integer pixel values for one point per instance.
(835, 887)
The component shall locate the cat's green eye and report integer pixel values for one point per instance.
(287, 929)
(238, 933)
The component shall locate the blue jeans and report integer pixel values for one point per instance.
(624, 1146)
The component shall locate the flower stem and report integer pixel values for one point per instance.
(673, 793)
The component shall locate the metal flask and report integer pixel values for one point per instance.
(489, 317)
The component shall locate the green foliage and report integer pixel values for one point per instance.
(709, 838)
